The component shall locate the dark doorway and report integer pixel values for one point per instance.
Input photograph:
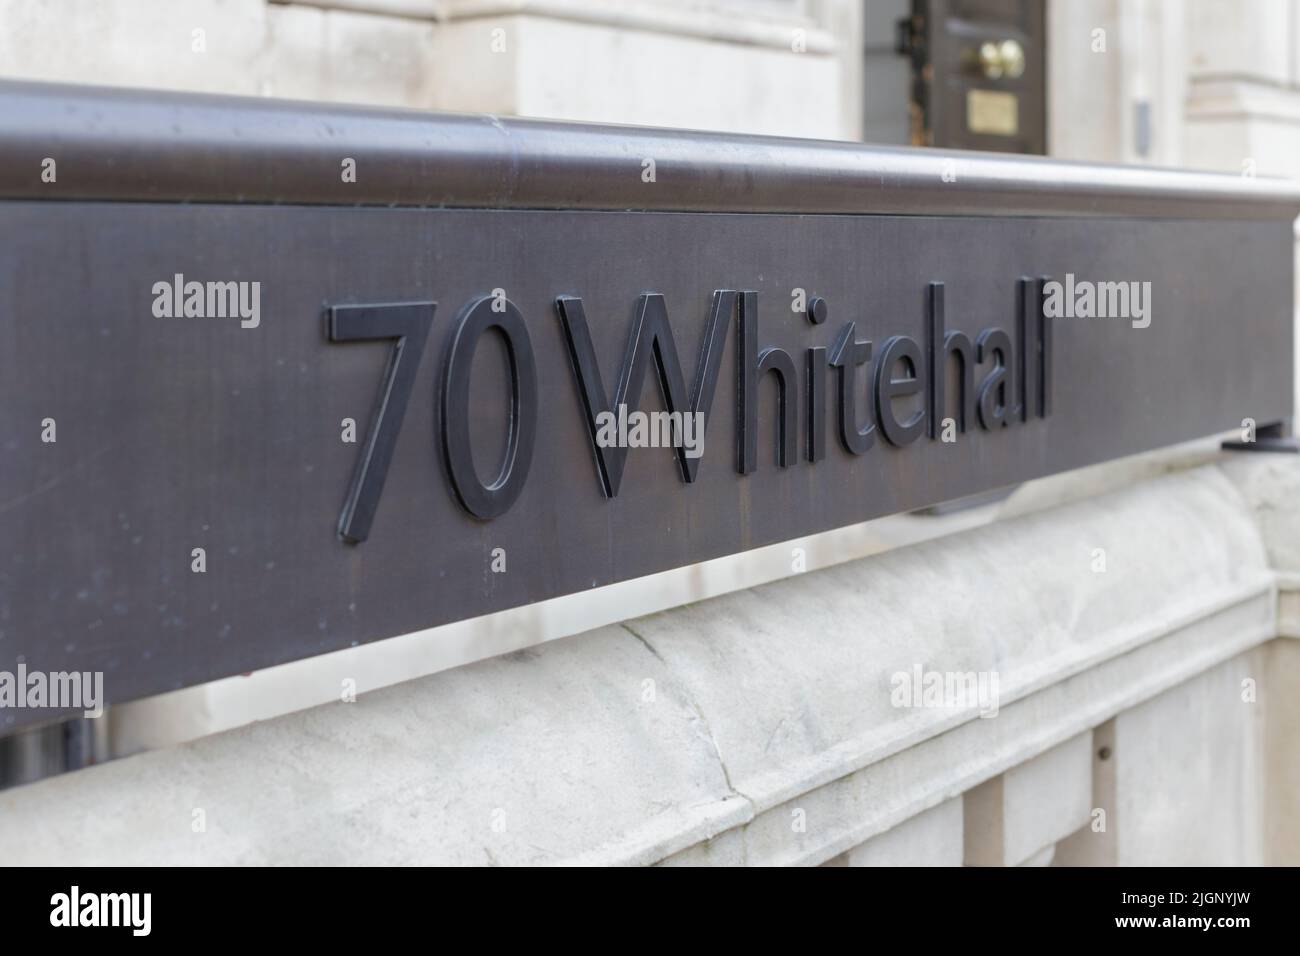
(978, 76)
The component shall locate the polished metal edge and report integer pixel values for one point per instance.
(134, 145)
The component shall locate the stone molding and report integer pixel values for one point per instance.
(750, 24)
(767, 703)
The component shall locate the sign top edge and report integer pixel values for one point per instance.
(119, 144)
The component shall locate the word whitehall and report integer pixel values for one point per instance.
(900, 389)
(209, 300)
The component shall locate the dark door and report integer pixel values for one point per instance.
(978, 77)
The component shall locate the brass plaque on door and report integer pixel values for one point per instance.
(992, 112)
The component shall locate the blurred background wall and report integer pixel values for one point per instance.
(1208, 83)
(767, 66)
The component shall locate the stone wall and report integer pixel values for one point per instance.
(1143, 713)
(782, 66)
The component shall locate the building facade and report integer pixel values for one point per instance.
(1137, 617)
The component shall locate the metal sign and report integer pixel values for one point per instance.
(237, 433)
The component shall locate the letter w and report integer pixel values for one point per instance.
(651, 336)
